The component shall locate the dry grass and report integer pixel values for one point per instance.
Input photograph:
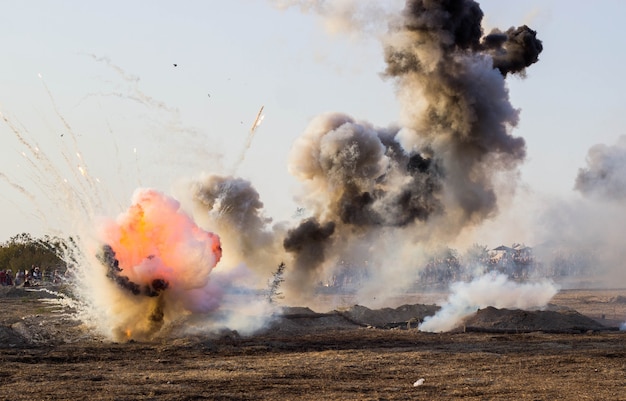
(355, 364)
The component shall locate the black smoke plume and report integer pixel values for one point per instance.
(114, 272)
(308, 241)
(513, 50)
(363, 176)
(455, 99)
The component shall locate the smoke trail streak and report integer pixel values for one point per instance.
(135, 94)
(257, 120)
(38, 213)
(120, 170)
(84, 177)
(17, 186)
(44, 169)
(255, 124)
(137, 166)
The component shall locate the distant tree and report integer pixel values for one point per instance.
(273, 292)
(22, 251)
(442, 268)
(476, 259)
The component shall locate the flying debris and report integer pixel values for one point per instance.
(255, 125)
(175, 65)
(257, 120)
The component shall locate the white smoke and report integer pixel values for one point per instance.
(488, 290)
(353, 17)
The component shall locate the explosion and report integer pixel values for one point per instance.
(154, 250)
(373, 198)
(155, 242)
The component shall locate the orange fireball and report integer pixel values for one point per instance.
(154, 240)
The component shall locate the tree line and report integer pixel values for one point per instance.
(23, 251)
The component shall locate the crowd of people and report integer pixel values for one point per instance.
(30, 277)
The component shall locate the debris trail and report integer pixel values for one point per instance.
(257, 122)
(255, 125)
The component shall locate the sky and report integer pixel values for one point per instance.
(153, 93)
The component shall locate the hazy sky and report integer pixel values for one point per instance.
(98, 78)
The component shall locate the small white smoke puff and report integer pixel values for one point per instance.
(488, 290)
(623, 327)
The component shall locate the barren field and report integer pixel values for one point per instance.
(306, 355)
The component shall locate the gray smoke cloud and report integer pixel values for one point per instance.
(353, 17)
(455, 98)
(605, 174)
(588, 230)
(232, 207)
(361, 176)
(371, 195)
(440, 167)
(583, 235)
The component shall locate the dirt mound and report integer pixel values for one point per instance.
(299, 311)
(301, 319)
(9, 338)
(33, 318)
(491, 319)
(405, 315)
(620, 299)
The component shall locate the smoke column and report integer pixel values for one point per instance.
(436, 174)
(455, 100)
(488, 290)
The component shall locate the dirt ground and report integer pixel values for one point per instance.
(46, 355)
